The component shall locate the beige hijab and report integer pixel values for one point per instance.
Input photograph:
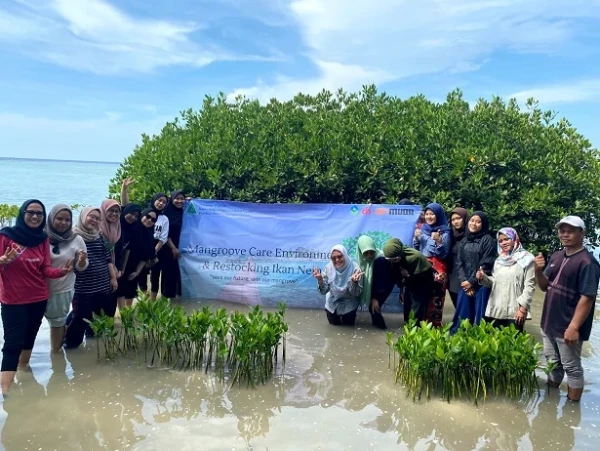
(80, 229)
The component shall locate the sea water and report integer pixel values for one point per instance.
(54, 182)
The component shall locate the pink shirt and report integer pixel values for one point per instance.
(23, 280)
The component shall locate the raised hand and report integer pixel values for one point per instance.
(540, 262)
(82, 258)
(9, 255)
(127, 182)
(317, 275)
(356, 275)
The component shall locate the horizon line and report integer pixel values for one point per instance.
(58, 160)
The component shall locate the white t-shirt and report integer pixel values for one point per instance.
(161, 229)
(66, 255)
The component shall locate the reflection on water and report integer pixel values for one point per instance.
(335, 393)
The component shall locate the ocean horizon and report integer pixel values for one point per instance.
(55, 181)
(59, 160)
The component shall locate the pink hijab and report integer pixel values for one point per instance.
(110, 232)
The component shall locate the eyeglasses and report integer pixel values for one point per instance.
(150, 218)
(112, 212)
(37, 213)
(337, 257)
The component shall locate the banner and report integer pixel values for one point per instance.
(265, 253)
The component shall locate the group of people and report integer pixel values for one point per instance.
(486, 278)
(48, 267)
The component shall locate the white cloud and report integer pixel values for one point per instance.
(568, 92)
(94, 36)
(396, 39)
(334, 75)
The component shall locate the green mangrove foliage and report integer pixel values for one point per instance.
(475, 362)
(243, 347)
(7, 214)
(524, 167)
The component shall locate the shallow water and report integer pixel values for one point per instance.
(336, 393)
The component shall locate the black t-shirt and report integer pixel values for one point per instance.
(570, 277)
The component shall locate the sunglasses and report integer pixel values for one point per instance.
(37, 213)
(151, 218)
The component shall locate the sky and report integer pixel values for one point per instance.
(83, 79)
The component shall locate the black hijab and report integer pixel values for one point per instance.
(464, 214)
(153, 201)
(174, 214)
(21, 233)
(128, 230)
(485, 226)
(145, 242)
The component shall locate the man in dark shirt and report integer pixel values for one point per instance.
(570, 281)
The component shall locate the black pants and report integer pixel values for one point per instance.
(419, 290)
(84, 305)
(164, 275)
(347, 319)
(504, 323)
(383, 284)
(170, 284)
(453, 297)
(21, 324)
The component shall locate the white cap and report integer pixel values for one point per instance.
(574, 221)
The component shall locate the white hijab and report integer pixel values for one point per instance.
(338, 278)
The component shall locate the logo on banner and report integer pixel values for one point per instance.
(191, 210)
(354, 210)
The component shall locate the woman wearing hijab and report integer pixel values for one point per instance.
(65, 247)
(161, 236)
(512, 282)
(434, 240)
(458, 221)
(130, 216)
(410, 269)
(369, 260)
(95, 286)
(110, 230)
(140, 252)
(477, 251)
(171, 277)
(25, 266)
(341, 283)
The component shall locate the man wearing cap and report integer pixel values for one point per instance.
(571, 283)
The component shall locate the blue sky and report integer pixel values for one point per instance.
(82, 79)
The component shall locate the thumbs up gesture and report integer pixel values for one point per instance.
(540, 262)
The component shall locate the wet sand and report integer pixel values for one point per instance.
(336, 393)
